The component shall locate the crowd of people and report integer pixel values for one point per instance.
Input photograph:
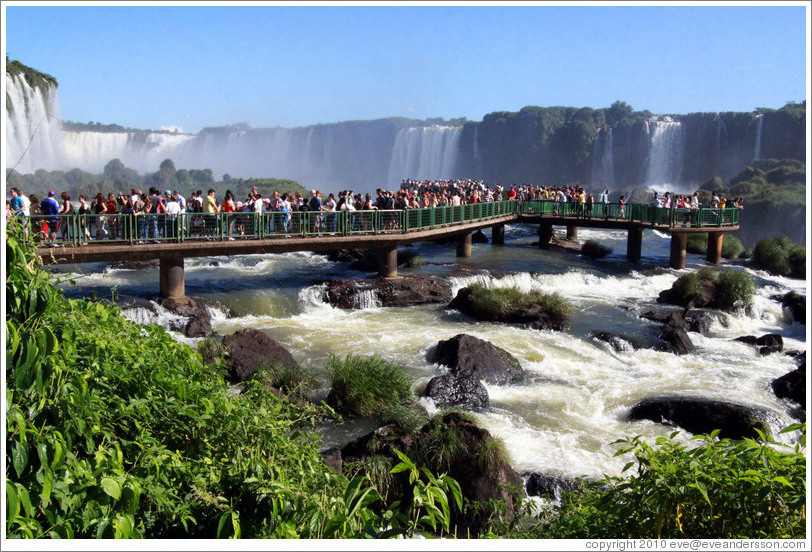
(102, 220)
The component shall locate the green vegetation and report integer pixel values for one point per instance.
(732, 247)
(718, 489)
(34, 78)
(103, 440)
(781, 256)
(366, 385)
(293, 381)
(593, 248)
(499, 301)
(733, 287)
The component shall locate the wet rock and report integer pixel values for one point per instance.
(766, 344)
(249, 348)
(699, 322)
(395, 292)
(706, 298)
(618, 342)
(466, 354)
(549, 486)
(457, 390)
(796, 304)
(135, 265)
(700, 415)
(792, 385)
(675, 337)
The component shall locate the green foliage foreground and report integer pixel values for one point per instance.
(718, 489)
(116, 430)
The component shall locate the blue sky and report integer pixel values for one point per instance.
(155, 65)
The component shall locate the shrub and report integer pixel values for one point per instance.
(687, 286)
(732, 247)
(294, 381)
(592, 248)
(733, 287)
(717, 489)
(500, 301)
(490, 453)
(408, 417)
(780, 256)
(366, 385)
(697, 243)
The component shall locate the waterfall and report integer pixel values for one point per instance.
(478, 171)
(33, 128)
(666, 154)
(424, 153)
(366, 299)
(759, 124)
(603, 161)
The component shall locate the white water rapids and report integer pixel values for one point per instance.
(562, 419)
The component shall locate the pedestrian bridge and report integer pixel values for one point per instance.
(172, 238)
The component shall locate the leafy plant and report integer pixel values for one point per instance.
(294, 381)
(780, 256)
(734, 287)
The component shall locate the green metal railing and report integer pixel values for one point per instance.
(76, 229)
(702, 217)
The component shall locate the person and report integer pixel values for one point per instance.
(20, 207)
(99, 208)
(172, 216)
(50, 224)
(84, 210)
(210, 210)
(229, 207)
(622, 202)
(65, 212)
(605, 201)
(714, 199)
(590, 201)
(128, 219)
(156, 207)
(330, 208)
(315, 206)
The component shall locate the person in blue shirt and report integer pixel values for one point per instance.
(50, 224)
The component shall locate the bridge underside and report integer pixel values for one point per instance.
(172, 254)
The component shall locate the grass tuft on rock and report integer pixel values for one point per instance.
(366, 385)
(500, 301)
(595, 249)
(294, 381)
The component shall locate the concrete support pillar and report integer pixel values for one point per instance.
(388, 262)
(634, 243)
(498, 234)
(464, 245)
(679, 245)
(572, 232)
(545, 234)
(715, 240)
(173, 280)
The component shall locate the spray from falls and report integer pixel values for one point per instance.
(33, 129)
(424, 153)
(603, 162)
(666, 154)
(759, 124)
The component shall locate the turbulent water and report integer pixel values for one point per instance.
(564, 416)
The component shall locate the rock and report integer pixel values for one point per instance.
(249, 348)
(699, 322)
(464, 354)
(792, 386)
(135, 265)
(550, 486)
(199, 317)
(533, 316)
(198, 326)
(675, 337)
(345, 255)
(766, 344)
(700, 415)
(333, 459)
(618, 342)
(453, 390)
(796, 303)
(397, 292)
(705, 299)
(479, 237)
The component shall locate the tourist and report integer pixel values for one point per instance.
(622, 202)
(50, 224)
(65, 212)
(112, 219)
(99, 208)
(84, 210)
(210, 210)
(127, 219)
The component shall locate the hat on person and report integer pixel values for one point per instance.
(312, 191)
(168, 192)
(51, 193)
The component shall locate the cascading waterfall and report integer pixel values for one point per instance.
(721, 141)
(759, 124)
(33, 129)
(424, 153)
(666, 154)
(603, 163)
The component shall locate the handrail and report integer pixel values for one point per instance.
(673, 217)
(76, 229)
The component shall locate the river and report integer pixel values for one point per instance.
(565, 415)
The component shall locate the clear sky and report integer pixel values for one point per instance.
(149, 65)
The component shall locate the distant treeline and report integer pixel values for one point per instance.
(118, 178)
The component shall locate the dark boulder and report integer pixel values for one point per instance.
(675, 337)
(616, 341)
(700, 415)
(792, 386)
(197, 315)
(549, 486)
(455, 390)
(766, 344)
(479, 237)
(464, 354)
(699, 322)
(135, 265)
(397, 292)
(533, 316)
(706, 298)
(796, 304)
(249, 348)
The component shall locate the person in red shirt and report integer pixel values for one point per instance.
(511, 193)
